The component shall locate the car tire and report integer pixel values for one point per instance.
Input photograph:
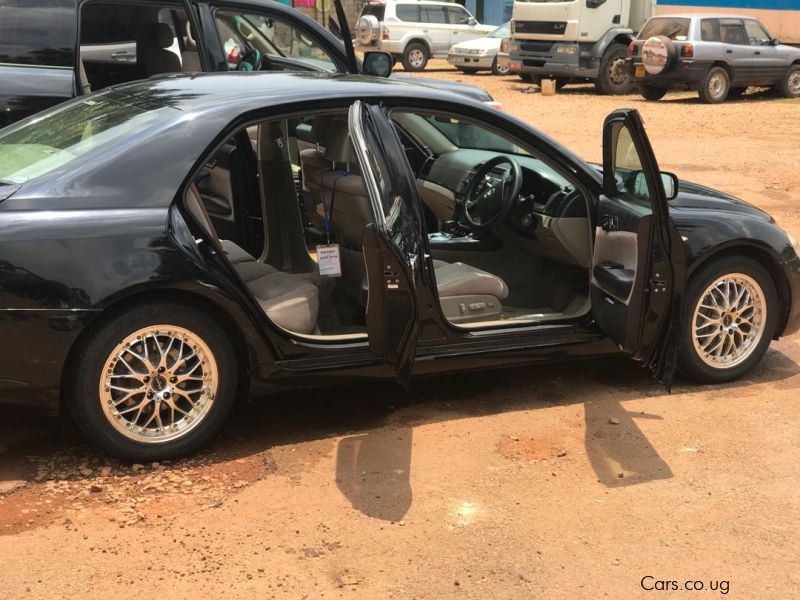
(188, 417)
(614, 78)
(790, 84)
(707, 288)
(652, 93)
(415, 57)
(467, 71)
(497, 69)
(715, 86)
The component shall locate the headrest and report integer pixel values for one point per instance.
(158, 35)
(338, 147)
(319, 129)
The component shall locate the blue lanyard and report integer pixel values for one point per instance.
(329, 217)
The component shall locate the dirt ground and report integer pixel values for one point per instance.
(584, 480)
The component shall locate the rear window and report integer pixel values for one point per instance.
(37, 32)
(671, 27)
(45, 143)
(375, 10)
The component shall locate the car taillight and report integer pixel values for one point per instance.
(631, 49)
(687, 51)
(385, 35)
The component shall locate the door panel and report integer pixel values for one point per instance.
(392, 243)
(736, 51)
(766, 65)
(638, 275)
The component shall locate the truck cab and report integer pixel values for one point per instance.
(577, 40)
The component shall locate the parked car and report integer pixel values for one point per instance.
(80, 46)
(717, 55)
(138, 289)
(481, 53)
(413, 31)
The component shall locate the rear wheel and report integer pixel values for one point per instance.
(653, 93)
(715, 86)
(154, 382)
(790, 85)
(497, 69)
(731, 315)
(415, 57)
(614, 78)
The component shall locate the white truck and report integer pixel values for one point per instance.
(576, 40)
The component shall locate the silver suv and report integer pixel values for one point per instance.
(413, 31)
(717, 55)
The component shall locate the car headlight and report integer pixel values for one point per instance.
(567, 50)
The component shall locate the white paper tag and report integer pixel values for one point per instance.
(330, 264)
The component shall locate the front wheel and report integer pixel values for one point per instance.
(153, 382)
(730, 318)
(415, 57)
(614, 77)
(497, 69)
(652, 93)
(790, 84)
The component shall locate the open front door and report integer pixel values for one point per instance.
(638, 272)
(392, 242)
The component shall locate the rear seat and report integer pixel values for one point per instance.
(290, 301)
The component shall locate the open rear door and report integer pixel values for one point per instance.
(392, 242)
(638, 272)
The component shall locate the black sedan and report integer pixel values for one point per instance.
(171, 245)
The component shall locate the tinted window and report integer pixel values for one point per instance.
(108, 23)
(709, 30)
(457, 15)
(406, 12)
(433, 14)
(673, 28)
(732, 32)
(756, 34)
(37, 32)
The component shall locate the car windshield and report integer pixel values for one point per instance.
(503, 31)
(673, 28)
(468, 135)
(49, 141)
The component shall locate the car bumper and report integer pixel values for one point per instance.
(686, 73)
(554, 63)
(471, 61)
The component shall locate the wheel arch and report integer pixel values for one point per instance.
(765, 259)
(421, 40)
(245, 358)
(724, 65)
(617, 35)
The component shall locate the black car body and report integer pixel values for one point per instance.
(94, 238)
(78, 46)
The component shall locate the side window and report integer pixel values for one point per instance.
(756, 34)
(108, 34)
(732, 32)
(709, 30)
(242, 33)
(433, 14)
(457, 15)
(408, 13)
(629, 176)
(37, 32)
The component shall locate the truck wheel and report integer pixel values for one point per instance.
(614, 78)
(730, 318)
(715, 86)
(790, 85)
(653, 93)
(415, 57)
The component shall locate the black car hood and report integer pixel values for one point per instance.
(692, 197)
(465, 89)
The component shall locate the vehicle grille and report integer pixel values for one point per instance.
(533, 63)
(551, 27)
(543, 47)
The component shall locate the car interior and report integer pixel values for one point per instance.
(509, 236)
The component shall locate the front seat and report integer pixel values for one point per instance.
(290, 301)
(152, 50)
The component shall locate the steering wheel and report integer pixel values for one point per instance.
(251, 60)
(488, 199)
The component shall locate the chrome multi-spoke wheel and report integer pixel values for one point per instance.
(158, 384)
(729, 320)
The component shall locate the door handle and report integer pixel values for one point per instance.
(728, 51)
(757, 52)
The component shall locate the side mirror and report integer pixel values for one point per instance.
(670, 181)
(774, 42)
(378, 64)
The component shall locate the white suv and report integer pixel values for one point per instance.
(413, 31)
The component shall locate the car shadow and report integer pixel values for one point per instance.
(371, 426)
(757, 95)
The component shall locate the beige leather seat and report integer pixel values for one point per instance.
(290, 301)
(190, 57)
(152, 50)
